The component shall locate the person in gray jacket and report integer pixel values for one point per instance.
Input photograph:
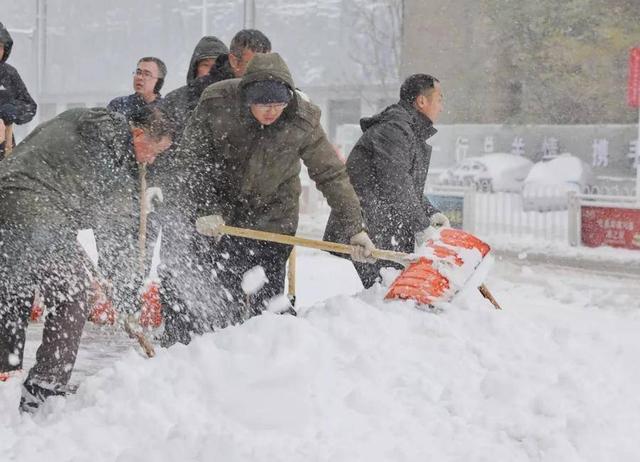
(78, 170)
(388, 168)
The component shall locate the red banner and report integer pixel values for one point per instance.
(610, 226)
(633, 88)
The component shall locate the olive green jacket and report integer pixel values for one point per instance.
(250, 173)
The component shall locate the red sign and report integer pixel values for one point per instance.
(633, 89)
(610, 226)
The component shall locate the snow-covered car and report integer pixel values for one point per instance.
(548, 184)
(491, 172)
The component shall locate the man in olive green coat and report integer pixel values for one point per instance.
(78, 170)
(240, 156)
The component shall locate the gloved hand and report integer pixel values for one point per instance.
(210, 225)
(363, 247)
(439, 220)
(8, 113)
(152, 195)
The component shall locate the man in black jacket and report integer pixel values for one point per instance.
(148, 79)
(16, 104)
(388, 168)
(78, 170)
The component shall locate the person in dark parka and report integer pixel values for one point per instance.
(148, 80)
(241, 156)
(16, 104)
(76, 171)
(180, 103)
(388, 168)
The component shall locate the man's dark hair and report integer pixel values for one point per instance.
(162, 70)
(252, 39)
(416, 85)
(152, 120)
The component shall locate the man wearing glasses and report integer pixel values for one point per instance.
(148, 79)
(240, 160)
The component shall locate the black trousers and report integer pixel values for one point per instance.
(219, 268)
(233, 257)
(63, 284)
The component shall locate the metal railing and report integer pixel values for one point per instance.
(544, 212)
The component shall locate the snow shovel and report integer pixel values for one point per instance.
(291, 278)
(420, 280)
(103, 310)
(8, 140)
(151, 311)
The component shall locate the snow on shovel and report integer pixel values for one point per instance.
(422, 279)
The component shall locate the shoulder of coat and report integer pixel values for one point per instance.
(307, 111)
(221, 90)
(8, 69)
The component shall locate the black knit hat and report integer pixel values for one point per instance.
(267, 92)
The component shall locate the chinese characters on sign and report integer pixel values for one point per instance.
(549, 148)
(614, 227)
(633, 154)
(489, 144)
(517, 147)
(600, 152)
(616, 154)
(462, 147)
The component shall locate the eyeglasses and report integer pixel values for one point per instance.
(266, 107)
(146, 75)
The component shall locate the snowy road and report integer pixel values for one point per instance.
(551, 377)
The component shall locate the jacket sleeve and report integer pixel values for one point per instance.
(330, 176)
(391, 146)
(25, 105)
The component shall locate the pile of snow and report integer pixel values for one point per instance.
(551, 377)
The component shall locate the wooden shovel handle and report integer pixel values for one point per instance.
(8, 140)
(484, 290)
(210, 228)
(291, 277)
(389, 255)
(143, 341)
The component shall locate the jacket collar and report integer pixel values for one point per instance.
(420, 123)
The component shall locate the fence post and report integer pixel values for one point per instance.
(468, 210)
(573, 213)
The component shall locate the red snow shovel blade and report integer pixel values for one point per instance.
(422, 282)
(151, 313)
(419, 281)
(458, 238)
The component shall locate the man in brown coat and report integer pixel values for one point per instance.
(240, 157)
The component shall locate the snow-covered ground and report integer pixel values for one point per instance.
(551, 377)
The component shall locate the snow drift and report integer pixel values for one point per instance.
(355, 378)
